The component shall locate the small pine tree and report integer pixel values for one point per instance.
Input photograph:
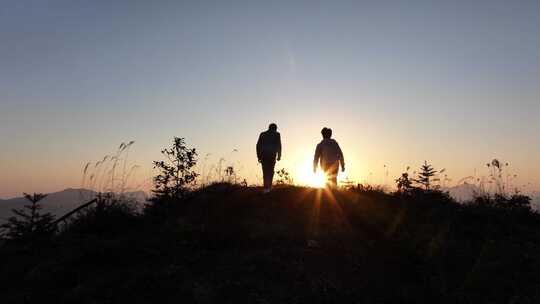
(29, 222)
(425, 176)
(176, 173)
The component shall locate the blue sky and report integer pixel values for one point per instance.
(398, 81)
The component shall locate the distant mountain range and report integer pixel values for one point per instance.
(59, 203)
(464, 192)
(535, 200)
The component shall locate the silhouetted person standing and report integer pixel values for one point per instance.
(268, 150)
(329, 154)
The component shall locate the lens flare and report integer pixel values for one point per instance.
(316, 180)
(306, 177)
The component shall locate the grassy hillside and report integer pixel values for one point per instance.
(232, 244)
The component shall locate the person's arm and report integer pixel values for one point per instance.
(341, 158)
(316, 158)
(279, 147)
(259, 148)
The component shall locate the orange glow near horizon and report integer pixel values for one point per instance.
(315, 180)
(303, 174)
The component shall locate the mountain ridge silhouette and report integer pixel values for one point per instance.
(61, 202)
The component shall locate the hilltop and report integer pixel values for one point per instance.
(232, 244)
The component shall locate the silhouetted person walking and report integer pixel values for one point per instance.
(268, 150)
(329, 154)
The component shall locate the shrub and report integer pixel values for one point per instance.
(284, 177)
(516, 201)
(110, 214)
(404, 183)
(175, 179)
(176, 172)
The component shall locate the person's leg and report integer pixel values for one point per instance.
(331, 174)
(268, 173)
(265, 174)
(271, 171)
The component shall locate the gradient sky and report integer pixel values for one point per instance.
(399, 82)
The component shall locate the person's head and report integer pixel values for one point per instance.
(326, 133)
(272, 127)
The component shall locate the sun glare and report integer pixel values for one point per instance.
(316, 180)
(306, 176)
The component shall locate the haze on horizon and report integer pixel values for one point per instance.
(454, 83)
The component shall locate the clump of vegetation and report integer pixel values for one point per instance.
(112, 174)
(109, 215)
(347, 183)
(29, 224)
(176, 173)
(365, 188)
(175, 179)
(513, 202)
(404, 183)
(500, 178)
(225, 170)
(230, 173)
(426, 180)
(498, 181)
(284, 177)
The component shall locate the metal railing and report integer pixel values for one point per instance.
(72, 212)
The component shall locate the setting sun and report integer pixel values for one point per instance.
(316, 180)
(306, 177)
